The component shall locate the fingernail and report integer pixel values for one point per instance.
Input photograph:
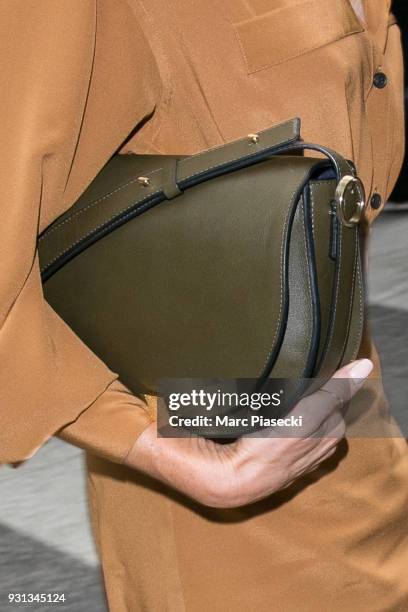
(361, 368)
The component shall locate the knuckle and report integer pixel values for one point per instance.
(219, 494)
(339, 429)
(331, 450)
(334, 426)
(341, 388)
(331, 445)
(329, 399)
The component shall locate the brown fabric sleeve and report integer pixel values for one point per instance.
(111, 425)
(77, 77)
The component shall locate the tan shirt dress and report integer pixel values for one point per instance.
(85, 78)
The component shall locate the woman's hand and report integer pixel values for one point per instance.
(251, 468)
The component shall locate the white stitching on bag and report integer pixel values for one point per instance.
(292, 198)
(107, 196)
(230, 161)
(98, 227)
(92, 204)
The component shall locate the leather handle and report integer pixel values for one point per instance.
(255, 147)
(341, 166)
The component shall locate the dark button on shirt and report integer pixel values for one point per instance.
(380, 80)
(375, 201)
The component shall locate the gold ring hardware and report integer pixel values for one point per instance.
(350, 200)
(254, 138)
(144, 181)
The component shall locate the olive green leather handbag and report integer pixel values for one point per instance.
(242, 261)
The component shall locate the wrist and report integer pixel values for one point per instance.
(143, 453)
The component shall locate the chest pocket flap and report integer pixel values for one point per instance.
(293, 29)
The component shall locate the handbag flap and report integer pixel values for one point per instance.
(203, 275)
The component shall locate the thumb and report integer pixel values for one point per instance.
(333, 395)
(348, 380)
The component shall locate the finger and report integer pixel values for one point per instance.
(332, 430)
(333, 427)
(315, 408)
(333, 395)
(307, 468)
(330, 434)
(329, 444)
(329, 453)
(309, 414)
(348, 380)
(357, 370)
